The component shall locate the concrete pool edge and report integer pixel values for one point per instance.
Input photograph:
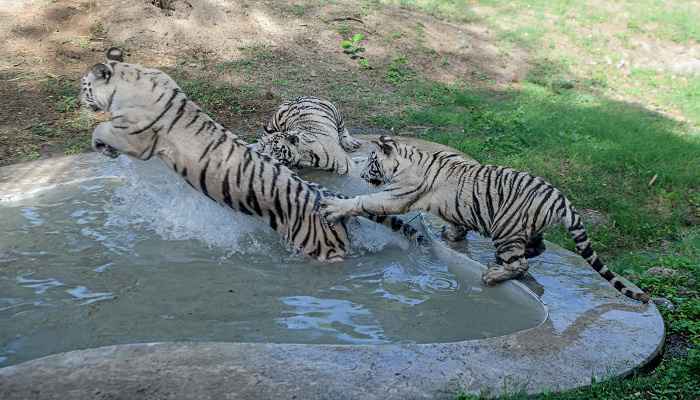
(591, 332)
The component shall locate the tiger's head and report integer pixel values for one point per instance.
(383, 164)
(283, 147)
(113, 87)
(97, 85)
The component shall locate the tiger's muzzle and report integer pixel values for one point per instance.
(105, 149)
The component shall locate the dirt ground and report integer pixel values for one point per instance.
(241, 58)
(264, 51)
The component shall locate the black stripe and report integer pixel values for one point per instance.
(587, 252)
(178, 115)
(196, 117)
(226, 190)
(167, 107)
(203, 180)
(206, 150)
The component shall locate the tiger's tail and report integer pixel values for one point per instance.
(572, 220)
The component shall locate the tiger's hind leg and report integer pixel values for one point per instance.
(535, 246)
(510, 261)
(349, 143)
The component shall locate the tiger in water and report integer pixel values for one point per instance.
(309, 132)
(511, 207)
(149, 116)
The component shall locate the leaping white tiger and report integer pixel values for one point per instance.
(151, 116)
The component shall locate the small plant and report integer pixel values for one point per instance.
(352, 46)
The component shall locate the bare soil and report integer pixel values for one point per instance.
(267, 50)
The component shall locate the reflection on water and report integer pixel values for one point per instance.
(136, 255)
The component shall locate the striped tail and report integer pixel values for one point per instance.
(572, 220)
(397, 224)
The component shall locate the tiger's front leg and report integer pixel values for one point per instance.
(381, 203)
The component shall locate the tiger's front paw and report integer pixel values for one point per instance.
(334, 209)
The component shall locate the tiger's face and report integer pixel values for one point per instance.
(382, 164)
(95, 88)
(113, 87)
(283, 147)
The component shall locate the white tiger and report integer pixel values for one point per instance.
(511, 207)
(309, 132)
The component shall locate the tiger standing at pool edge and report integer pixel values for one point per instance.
(511, 207)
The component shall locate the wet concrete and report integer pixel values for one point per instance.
(592, 332)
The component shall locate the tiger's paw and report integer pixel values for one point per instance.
(334, 209)
(496, 274)
(351, 144)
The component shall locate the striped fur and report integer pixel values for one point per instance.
(151, 116)
(309, 132)
(511, 207)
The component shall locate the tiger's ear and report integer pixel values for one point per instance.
(386, 144)
(115, 54)
(101, 71)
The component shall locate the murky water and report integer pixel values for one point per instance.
(136, 255)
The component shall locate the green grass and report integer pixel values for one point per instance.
(217, 98)
(602, 153)
(674, 378)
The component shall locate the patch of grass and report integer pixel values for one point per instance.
(218, 98)
(526, 36)
(63, 93)
(399, 71)
(255, 56)
(551, 74)
(298, 10)
(44, 130)
(672, 379)
(78, 144)
(344, 30)
(458, 10)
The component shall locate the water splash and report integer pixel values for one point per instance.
(155, 197)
